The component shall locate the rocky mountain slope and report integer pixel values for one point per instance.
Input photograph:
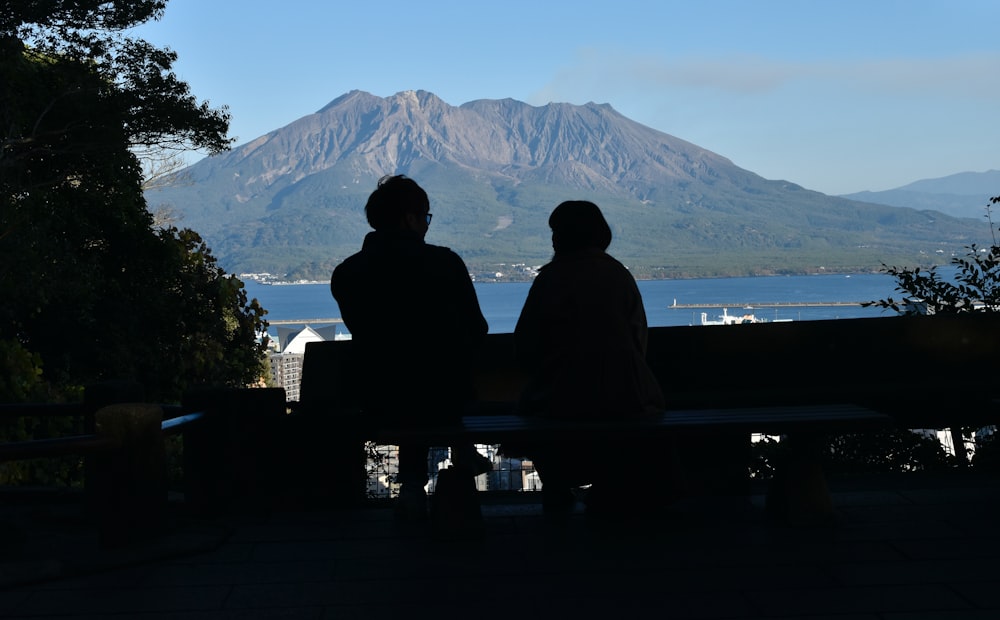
(291, 202)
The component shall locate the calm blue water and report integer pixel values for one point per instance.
(501, 302)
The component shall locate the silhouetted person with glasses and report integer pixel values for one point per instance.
(582, 336)
(413, 313)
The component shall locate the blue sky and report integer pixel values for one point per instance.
(835, 95)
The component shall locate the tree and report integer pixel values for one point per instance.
(89, 284)
(155, 108)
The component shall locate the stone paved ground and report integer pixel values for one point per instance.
(900, 550)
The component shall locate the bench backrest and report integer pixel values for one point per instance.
(330, 377)
(924, 370)
(912, 367)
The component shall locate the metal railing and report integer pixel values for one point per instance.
(509, 474)
(175, 423)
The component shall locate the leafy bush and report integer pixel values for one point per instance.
(893, 451)
(20, 373)
(987, 454)
(974, 286)
(890, 451)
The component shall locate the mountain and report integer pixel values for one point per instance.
(965, 194)
(292, 201)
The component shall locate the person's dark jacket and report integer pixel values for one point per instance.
(582, 337)
(412, 311)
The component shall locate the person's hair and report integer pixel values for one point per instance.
(578, 225)
(394, 197)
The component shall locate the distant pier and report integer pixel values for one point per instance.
(771, 304)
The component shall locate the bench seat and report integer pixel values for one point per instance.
(780, 420)
(797, 494)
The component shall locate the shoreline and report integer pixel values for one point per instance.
(847, 274)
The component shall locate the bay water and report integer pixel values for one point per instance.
(664, 300)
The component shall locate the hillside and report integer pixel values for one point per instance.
(291, 202)
(965, 194)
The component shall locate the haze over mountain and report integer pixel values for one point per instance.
(965, 194)
(292, 201)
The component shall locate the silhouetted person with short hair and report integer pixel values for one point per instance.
(582, 336)
(413, 313)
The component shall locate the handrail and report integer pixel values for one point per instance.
(81, 444)
(178, 424)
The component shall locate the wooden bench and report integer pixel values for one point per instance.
(327, 395)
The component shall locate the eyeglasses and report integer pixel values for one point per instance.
(429, 217)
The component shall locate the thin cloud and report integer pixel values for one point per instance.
(959, 77)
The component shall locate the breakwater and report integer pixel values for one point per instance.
(770, 304)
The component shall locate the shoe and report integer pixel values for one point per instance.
(411, 505)
(614, 504)
(455, 512)
(482, 465)
(557, 501)
(472, 462)
(605, 503)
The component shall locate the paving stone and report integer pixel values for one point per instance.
(896, 554)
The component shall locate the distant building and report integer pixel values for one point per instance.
(286, 372)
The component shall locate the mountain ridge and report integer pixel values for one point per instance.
(964, 194)
(291, 201)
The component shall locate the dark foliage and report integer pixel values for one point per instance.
(973, 287)
(987, 454)
(92, 290)
(887, 451)
(895, 451)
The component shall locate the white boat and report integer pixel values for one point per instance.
(730, 319)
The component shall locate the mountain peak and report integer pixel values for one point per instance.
(496, 167)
